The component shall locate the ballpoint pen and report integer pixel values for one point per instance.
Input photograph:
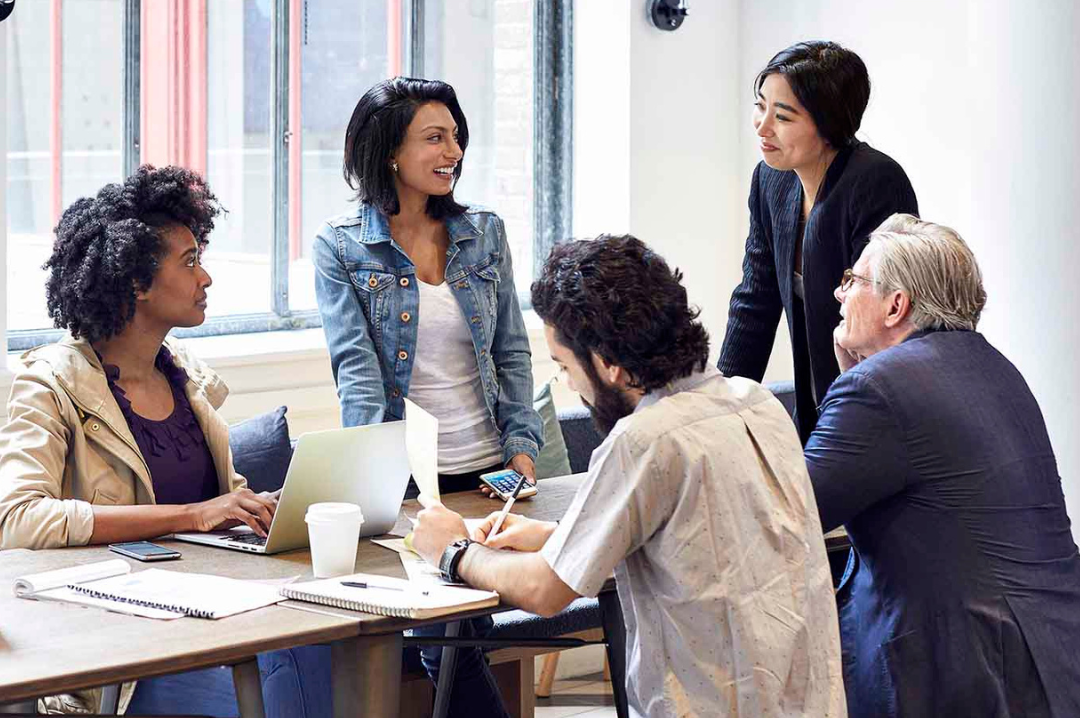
(506, 509)
(360, 584)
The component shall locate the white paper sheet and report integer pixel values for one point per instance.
(422, 445)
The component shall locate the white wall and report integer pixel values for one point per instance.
(980, 102)
(4, 374)
(657, 143)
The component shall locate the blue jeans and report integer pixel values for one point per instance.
(296, 684)
(473, 692)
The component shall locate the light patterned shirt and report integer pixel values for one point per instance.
(700, 503)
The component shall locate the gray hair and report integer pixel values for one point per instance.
(933, 266)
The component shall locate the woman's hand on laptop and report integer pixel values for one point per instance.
(242, 506)
(518, 532)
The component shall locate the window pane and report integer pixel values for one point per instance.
(344, 51)
(238, 155)
(86, 113)
(484, 48)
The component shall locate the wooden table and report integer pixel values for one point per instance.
(48, 647)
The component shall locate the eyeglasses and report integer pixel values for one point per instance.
(849, 279)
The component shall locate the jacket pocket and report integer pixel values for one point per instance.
(487, 286)
(374, 289)
(101, 498)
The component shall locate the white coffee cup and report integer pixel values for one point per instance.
(333, 533)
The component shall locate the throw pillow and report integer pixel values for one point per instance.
(261, 450)
(553, 459)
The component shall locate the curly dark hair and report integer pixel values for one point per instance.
(107, 248)
(616, 297)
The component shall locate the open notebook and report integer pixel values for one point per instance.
(390, 596)
(153, 593)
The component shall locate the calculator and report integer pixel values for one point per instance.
(504, 482)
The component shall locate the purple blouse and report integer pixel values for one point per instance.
(181, 466)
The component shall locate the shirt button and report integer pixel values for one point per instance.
(404, 281)
(396, 394)
(405, 316)
(372, 281)
(403, 355)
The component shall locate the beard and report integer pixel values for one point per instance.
(611, 405)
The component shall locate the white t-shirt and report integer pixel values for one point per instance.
(446, 382)
(701, 504)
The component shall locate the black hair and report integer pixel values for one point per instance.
(376, 130)
(616, 297)
(830, 81)
(107, 248)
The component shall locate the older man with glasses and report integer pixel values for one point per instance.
(932, 451)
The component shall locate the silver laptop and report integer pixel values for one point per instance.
(364, 465)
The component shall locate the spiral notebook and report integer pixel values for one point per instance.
(153, 593)
(390, 596)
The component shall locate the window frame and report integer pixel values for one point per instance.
(552, 148)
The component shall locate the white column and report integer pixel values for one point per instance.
(5, 376)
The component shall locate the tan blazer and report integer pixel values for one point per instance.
(66, 445)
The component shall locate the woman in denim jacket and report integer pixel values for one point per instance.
(417, 299)
(417, 293)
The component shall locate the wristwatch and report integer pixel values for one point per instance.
(451, 558)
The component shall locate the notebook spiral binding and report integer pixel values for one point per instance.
(364, 606)
(186, 610)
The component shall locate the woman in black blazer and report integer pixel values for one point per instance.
(815, 197)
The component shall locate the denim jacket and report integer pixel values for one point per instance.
(370, 307)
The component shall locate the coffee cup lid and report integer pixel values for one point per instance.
(332, 511)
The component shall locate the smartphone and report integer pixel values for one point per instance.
(504, 482)
(144, 551)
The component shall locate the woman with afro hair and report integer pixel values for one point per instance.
(113, 432)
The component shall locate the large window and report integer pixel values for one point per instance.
(256, 95)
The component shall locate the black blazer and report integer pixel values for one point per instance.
(861, 189)
(966, 602)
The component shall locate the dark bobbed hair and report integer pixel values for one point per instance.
(616, 297)
(108, 247)
(376, 130)
(830, 81)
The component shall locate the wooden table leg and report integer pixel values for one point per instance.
(366, 675)
(23, 708)
(547, 675)
(248, 686)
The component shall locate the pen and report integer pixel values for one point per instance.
(359, 584)
(506, 509)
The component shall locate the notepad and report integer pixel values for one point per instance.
(153, 593)
(391, 596)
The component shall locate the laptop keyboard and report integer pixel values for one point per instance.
(254, 539)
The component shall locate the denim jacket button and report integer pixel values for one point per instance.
(475, 320)
(404, 281)
(372, 282)
(95, 426)
(405, 316)
(463, 284)
(403, 355)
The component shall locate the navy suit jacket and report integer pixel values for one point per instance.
(861, 189)
(935, 456)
